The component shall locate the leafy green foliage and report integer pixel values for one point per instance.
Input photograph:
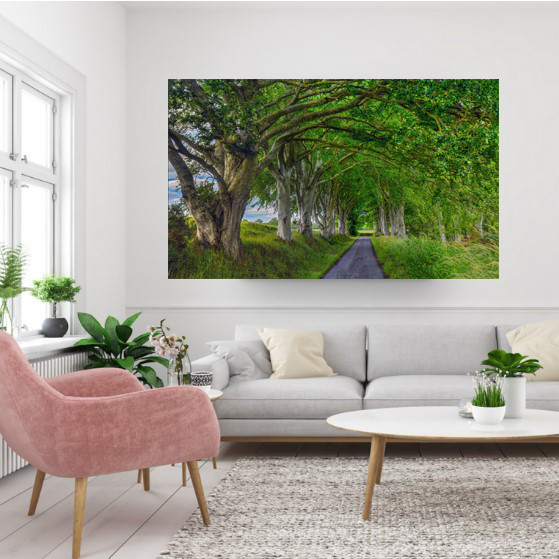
(429, 259)
(504, 364)
(266, 256)
(12, 265)
(109, 346)
(52, 289)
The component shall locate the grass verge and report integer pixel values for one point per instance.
(265, 256)
(428, 259)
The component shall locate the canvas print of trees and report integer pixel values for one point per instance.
(328, 178)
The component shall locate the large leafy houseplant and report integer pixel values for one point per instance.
(12, 265)
(110, 346)
(504, 364)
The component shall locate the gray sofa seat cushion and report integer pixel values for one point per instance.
(428, 349)
(344, 346)
(418, 390)
(301, 398)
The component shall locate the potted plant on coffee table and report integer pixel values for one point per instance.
(54, 290)
(511, 367)
(488, 403)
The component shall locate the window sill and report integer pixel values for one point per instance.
(33, 347)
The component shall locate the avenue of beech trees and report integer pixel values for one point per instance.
(411, 159)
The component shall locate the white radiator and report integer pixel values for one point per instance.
(46, 367)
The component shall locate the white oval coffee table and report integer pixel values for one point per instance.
(436, 423)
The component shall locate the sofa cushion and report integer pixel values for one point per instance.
(418, 390)
(502, 331)
(248, 360)
(428, 349)
(344, 347)
(301, 398)
(445, 390)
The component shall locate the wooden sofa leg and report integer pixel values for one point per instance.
(145, 476)
(39, 478)
(79, 507)
(199, 490)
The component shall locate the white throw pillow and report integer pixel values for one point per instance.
(539, 340)
(247, 360)
(296, 353)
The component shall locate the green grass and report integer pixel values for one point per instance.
(265, 256)
(420, 258)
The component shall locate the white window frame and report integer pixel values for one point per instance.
(28, 172)
(41, 70)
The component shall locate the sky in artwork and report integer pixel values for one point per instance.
(251, 214)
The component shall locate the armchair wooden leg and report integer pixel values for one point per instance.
(145, 475)
(139, 476)
(214, 462)
(184, 474)
(79, 506)
(199, 490)
(39, 478)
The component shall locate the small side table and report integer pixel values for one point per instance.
(213, 395)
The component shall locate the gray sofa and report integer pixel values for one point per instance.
(376, 367)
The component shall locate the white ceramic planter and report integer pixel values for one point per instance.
(488, 416)
(514, 392)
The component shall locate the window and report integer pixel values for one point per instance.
(28, 183)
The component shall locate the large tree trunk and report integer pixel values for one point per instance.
(393, 221)
(457, 236)
(284, 209)
(441, 224)
(218, 217)
(342, 224)
(306, 177)
(304, 223)
(382, 221)
(479, 226)
(401, 222)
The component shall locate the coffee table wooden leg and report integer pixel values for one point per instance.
(377, 448)
(381, 460)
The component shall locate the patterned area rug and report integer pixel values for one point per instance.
(310, 508)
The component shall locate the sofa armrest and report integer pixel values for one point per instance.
(218, 366)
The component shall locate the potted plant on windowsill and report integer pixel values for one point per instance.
(488, 403)
(52, 289)
(12, 264)
(512, 367)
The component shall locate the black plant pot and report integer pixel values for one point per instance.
(54, 327)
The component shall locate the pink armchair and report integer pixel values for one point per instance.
(91, 423)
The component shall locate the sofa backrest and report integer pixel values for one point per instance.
(502, 331)
(344, 346)
(404, 349)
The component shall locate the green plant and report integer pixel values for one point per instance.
(109, 346)
(12, 264)
(488, 392)
(505, 364)
(52, 289)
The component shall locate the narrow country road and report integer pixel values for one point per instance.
(359, 262)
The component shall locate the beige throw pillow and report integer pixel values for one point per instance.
(295, 353)
(538, 341)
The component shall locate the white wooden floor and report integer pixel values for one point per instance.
(124, 522)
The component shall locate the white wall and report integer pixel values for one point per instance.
(91, 37)
(515, 42)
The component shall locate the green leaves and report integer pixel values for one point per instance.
(502, 363)
(52, 289)
(92, 326)
(109, 346)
